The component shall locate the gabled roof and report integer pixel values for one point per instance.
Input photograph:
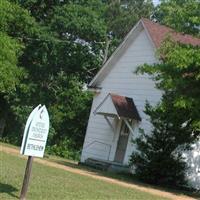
(106, 107)
(120, 106)
(157, 34)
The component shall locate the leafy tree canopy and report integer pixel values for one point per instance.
(56, 68)
(179, 76)
(181, 15)
(15, 21)
(176, 119)
(59, 46)
(158, 160)
(10, 73)
(121, 16)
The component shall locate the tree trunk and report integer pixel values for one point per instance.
(106, 51)
(2, 126)
(3, 115)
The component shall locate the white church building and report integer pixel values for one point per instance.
(120, 95)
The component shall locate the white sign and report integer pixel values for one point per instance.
(36, 132)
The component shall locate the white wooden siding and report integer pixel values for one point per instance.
(101, 141)
(106, 106)
(193, 160)
(123, 81)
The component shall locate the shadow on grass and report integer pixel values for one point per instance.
(9, 189)
(128, 178)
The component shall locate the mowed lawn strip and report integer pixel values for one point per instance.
(50, 183)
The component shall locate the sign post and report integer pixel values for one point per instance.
(34, 141)
(26, 178)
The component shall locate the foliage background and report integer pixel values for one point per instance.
(49, 51)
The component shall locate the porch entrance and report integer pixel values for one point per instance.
(122, 143)
(122, 108)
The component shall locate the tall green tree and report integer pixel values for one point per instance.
(178, 76)
(83, 33)
(10, 75)
(43, 10)
(15, 23)
(59, 57)
(175, 119)
(121, 16)
(10, 71)
(158, 159)
(181, 15)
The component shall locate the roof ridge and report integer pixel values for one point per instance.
(156, 32)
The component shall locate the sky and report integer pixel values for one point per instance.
(156, 2)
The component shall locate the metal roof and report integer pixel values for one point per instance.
(125, 107)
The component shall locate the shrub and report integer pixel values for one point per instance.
(64, 149)
(159, 159)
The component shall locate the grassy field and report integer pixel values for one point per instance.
(50, 183)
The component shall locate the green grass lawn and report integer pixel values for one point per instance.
(56, 184)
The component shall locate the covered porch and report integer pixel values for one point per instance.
(121, 115)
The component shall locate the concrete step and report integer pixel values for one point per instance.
(97, 164)
(106, 165)
(119, 168)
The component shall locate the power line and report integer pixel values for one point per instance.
(57, 40)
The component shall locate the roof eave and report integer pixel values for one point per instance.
(94, 89)
(100, 74)
(148, 35)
